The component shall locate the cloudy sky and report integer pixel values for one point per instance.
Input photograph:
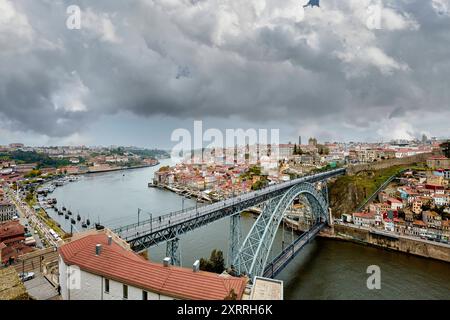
(138, 69)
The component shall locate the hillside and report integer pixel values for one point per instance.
(346, 193)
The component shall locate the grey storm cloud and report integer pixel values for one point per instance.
(259, 60)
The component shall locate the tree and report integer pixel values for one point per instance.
(323, 150)
(231, 295)
(297, 150)
(33, 173)
(30, 196)
(216, 262)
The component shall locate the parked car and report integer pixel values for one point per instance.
(25, 276)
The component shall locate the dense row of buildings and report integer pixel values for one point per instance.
(12, 233)
(220, 171)
(418, 204)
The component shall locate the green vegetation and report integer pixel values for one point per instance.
(297, 150)
(329, 166)
(51, 223)
(33, 174)
(30, 198)
(231, 295)
(323, 150)
(255, 171)
(215, 263)
(40, 159)
(143, 153)
(259, 184)
(149, 153)
(252, 171)
(164, 169)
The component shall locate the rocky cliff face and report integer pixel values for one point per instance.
(345, 194)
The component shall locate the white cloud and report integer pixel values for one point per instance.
(99, 25)
(71, 95)
(16, 33)
(441, 7)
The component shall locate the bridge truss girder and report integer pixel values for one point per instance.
(155, 237)
(235, 238)
(173, 251)
(255, 250)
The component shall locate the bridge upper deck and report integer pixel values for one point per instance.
(158, 223)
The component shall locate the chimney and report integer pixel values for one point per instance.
(109, 240)
(196, 266)
(166, 261)
(98, 249)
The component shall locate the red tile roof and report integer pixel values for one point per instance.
(419, 223)
(11, 229)
(123, 265)
(393, 200)
(369, 215)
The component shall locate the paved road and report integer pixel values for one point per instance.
(28, 214)
(280, 262)
(40, 288)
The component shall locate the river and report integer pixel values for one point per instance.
(325, 269)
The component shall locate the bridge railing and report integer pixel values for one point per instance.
(156, 219)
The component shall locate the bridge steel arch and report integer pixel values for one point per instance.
(254, 252)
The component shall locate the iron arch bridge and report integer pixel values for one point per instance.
(251, 256)
(254, 252)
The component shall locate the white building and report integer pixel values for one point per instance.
(440, 200)
(364, 219)
(7, 211)
(101, 266)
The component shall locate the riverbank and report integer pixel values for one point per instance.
(119, 169)
(389, 241)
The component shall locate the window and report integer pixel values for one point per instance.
(144, 295)
(107, 285)
(125, 291)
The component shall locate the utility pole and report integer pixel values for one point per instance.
(139, 212)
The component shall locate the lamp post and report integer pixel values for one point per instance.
(151, 221)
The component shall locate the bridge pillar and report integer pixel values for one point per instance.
(235, 239)
(325, 191)
(172, 251)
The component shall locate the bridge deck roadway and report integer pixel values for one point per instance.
(289, 253)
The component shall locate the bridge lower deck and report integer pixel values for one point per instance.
(290, 252)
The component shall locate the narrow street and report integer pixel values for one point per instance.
(29, 218)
